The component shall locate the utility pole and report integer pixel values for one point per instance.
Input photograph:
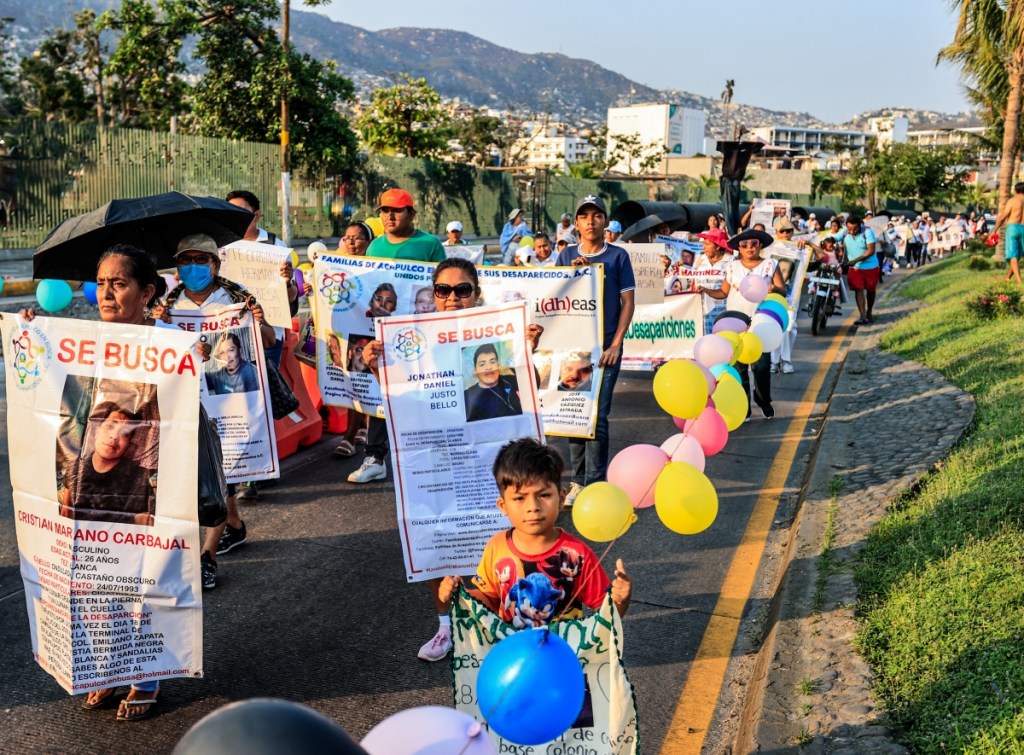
(286, 178)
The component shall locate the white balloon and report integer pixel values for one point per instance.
(315, 249)
(769, 331)
(429, 730)
(712, 349)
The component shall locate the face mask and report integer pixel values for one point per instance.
(195, 277)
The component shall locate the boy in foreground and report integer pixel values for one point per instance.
(535, 572)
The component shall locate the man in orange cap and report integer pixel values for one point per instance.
(401, 241)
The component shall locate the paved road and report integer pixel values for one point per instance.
(316, 608)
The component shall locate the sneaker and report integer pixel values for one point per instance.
(570, 498)
(247, 492)
(766, 410)
(775, 368)
(371, 470)
(231, 539)
(438, 647)
(208, 571)
(787, 368)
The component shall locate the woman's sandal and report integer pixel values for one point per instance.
(361, 437)
(147, 712)
(345, 448)
(103, 701)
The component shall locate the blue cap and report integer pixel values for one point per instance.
(614, 227)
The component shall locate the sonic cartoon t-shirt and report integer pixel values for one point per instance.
(532, 590)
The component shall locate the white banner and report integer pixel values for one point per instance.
(257, 267)
(607, 724)
(234, 390)
(102, 421)
(458, 386)
(474, 254)
(565, 301)
(660, 332)
(793, 267)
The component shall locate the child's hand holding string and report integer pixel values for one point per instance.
(622, 588)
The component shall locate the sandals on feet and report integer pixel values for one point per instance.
(345, 448)
(143, 712)
(104, 700)
(361, 437)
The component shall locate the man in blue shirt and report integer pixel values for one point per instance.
(589, 458)
(864, 270)
(511, 234)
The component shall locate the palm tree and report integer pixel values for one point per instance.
(989, 48)
(727, 101)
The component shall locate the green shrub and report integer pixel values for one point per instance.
(977, 262)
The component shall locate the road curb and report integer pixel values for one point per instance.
(811, 691)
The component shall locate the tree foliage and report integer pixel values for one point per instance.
(406, 119)
(58, 81)
(480, 134)
(638, 156)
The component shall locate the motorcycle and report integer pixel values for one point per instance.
(826, 283)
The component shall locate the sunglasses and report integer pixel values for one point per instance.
(461, 290)
(194, 259)
(748, 244)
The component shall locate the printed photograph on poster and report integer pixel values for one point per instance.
(423, 300)
(793, 266)
(576, 372)
(231, 367)
(108, 446)
(492, 389)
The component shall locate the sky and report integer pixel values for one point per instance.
(830, 58)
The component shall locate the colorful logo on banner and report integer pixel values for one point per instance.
(409, 344)
(342, 291)
(31, 356)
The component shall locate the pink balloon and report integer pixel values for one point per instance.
(682, 447)
(709, 376)
(733, 324)
(710, 431)
(711, 350)
(635, 469)
(754, 288)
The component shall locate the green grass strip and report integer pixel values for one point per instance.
(942, 576)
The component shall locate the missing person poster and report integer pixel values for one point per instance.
(793, 266)
(234, 390)
(660, 332)
(607, 724)
(768, 211)
(458, 386)
(102, 421)
(352, 293)
(257, 267)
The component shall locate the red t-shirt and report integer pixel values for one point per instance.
(532, 590)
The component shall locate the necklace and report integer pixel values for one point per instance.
(506, 399)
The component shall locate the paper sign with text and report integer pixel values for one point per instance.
(234, 390)
(257, 267)
(457, 386)
(768, 211)
(102, 421)
(473, 253)
(607, 724)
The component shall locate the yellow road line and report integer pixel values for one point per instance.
(696, 706)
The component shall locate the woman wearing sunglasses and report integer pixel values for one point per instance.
(456, 286)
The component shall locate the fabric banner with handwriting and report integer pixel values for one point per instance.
(102, 421)
(352, 292)
(607, 724)
(257, 267)
(458, 386)
(234, 390)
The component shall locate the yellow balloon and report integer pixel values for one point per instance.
(778, 298)
(295, 258)
(750, 348)
(734, 339)
(685, 499)
(731, 401)
(681, 389)
(526, 241)
(603, 512)
(306, 268)
(375, 225)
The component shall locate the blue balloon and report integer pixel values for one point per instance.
(89, 289)
(720, 369)
(530, 687)
(774, 306)
(53, 295)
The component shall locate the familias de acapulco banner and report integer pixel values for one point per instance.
(234, 389)
(353, 292)
(102, 421)
(458, 386)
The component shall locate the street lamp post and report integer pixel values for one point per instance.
(286, 188)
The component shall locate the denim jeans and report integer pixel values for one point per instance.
(589, 458)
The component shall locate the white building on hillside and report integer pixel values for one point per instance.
(551, 146)
(673, 130)
(812, 140)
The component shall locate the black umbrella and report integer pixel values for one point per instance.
(642, 226)
(155, 224)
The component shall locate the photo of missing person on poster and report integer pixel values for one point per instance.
(494, 391)
(231, 369)
(107, 451)
(576, 372)
(356, 363)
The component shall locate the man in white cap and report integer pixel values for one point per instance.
(589, 458)
(454, 231)
(511, 235)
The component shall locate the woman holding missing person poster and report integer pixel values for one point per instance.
(456, 286)
(127, 283)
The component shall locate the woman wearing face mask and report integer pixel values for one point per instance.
(203, 290)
